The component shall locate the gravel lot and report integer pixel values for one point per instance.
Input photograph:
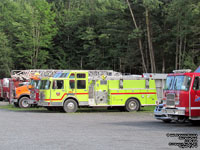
(42, 130)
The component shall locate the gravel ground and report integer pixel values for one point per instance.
(42, 130)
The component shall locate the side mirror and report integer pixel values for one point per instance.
(121, 83)
(147, 84)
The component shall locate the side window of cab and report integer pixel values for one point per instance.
(58, 84)
(196, 84)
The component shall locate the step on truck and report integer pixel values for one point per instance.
(181, 101)
(71, 90)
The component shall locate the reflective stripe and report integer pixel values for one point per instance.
(64, 95)
(181, 108)
(192, 108)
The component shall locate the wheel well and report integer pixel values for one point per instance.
(23, 96)
(71, 98)
(135, 99)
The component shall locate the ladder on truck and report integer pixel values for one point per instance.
(27, 74)
(100, 74)
(111, 75)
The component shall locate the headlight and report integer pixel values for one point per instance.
(176, 102)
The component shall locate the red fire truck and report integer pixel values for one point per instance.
(7, 86)
(1, 89)
(181, 99)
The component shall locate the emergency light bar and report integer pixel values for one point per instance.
(182, 71)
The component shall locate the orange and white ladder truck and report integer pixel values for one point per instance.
(21, 94)
(181, 101)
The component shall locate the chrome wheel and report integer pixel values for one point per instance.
(132, 105)
(70, 105)
(25, 103)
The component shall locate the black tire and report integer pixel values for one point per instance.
(23, 102)
(16, 104)
(132, 105)
(70, 106)
(166, 121)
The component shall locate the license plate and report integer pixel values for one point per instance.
(170, 111)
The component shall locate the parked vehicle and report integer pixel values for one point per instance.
(21, 94)
(182, 96)
(160, 114)
(73, 89)
(7, 86)
(1, 89)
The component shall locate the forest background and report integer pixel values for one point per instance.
(130, 36)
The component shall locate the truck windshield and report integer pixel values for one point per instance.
(44, 84)
(169, 82)
(178, 83)
(34, 83)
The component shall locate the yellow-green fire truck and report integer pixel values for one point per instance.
(73, 89)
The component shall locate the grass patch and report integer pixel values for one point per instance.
(12, 107)
(147, 109)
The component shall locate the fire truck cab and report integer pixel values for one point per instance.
(181, 99)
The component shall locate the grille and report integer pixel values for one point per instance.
(170, 96)
(170, 103)
(170, 100)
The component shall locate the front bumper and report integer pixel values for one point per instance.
(161, 115)
(175, 112)
(32, 102)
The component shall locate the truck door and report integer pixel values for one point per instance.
(195, 98)
(58, 90)
(82, 86)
